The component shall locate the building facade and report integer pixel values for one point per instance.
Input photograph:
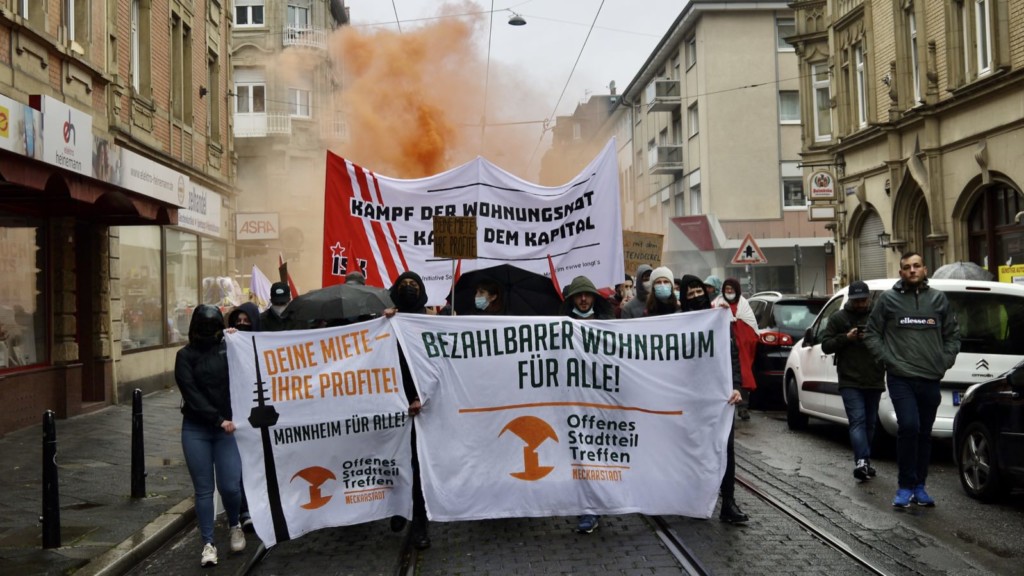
(716, 146)
(916, 108)
(116, 177)
(286, 114)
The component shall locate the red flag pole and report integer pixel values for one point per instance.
(554, 279)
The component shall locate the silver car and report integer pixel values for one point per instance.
(991, 316)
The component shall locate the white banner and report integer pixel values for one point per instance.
(384, 226)
(322, 427)
(539, 416)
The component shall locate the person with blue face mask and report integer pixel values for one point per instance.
(488, 299)
(662, 299)
(583, 302)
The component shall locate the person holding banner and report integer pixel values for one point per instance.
(697, 299)
(642, 283)
(662, 298)
(745, 334)
(201, 373)
(410, 297)
(583, 302)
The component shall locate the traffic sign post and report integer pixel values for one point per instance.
(749, 253)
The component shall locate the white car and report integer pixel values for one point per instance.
(991, 316)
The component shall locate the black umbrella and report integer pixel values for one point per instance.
(524, 293)
(337, 303)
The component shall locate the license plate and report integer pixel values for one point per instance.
(957, 397)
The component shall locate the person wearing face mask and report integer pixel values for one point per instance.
(410, 297)
(583, 302)
(272, 319)
(642, 283)
(245, 318)
(207, 429)
(488, 300)
(744, 331)
(696, 299)
(662, 298)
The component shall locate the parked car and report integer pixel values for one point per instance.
(991, 316)
(781, 320)
(988, 436)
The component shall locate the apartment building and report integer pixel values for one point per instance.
(115, 162)
(286, 114)
(916, 110)
(716, 149)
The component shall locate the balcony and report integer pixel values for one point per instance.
(664, 96)
(335, 130)
(261, 125)
(668, 159)
(305, 36)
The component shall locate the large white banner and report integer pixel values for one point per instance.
(384, 226)
(323, 428)
(541, 416)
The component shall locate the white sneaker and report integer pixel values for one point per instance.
(209, 557)
(237, 539)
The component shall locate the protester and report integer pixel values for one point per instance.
(272, 318)
(410, 297)
(245, 318)
(697, 299)
(861, 377)
(642, 283)
(744, 333)
(583, 302)
(624, 293)
(713, 286)
(661, 299)
(913, 332)
(489, 299)
(207, 429)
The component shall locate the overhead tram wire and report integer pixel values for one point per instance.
(566, 87)
(397, 21)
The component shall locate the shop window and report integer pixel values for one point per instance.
(182, 282)
(22, 289)
(141, 287)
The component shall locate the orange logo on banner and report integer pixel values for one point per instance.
(315, 476)
(533, 431)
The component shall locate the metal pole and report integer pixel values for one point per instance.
(51, 486)
(138, 448)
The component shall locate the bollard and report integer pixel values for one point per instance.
(138, 448)
(51, 487)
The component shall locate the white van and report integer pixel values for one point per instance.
(991, 316)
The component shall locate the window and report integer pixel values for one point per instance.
(22, 8)
(250, 99)
(663, 137)
(140, 47)
(141, 284)
(69, 18)
(983, 36)
(822, 103)
(792, 186)
(213, 97)
(299, 102)
(652, 153)
(298, 17)
(784, 28)
(915, 65)
(182, 282)
(693, 119)
(75, 19)
(861, 86)
(789, 107)
(248, 13)
(691, 52)
(181, 70)
(695, 199)
(23, 337)
(680, 198)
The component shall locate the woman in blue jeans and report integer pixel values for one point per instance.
(201, 372)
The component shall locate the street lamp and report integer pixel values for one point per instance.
(516, 19)
(883, 240)
(830, 248)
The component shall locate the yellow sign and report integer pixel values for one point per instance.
(641, 248)
(454, 237)
(1012, 274)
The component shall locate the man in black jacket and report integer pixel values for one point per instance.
(861, 376)
(271, 320)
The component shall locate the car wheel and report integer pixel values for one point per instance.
(979, 471)
(796, 419)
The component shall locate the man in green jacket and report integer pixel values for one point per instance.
(915, 334)
(861, 377)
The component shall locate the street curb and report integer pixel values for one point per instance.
(126, 555)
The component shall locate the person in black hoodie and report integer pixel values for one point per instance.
(245, 317)
(696, 299)
(207, 440)
(410, 297)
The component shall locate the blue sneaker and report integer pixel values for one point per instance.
(587, 523)
(903, 498)
(921, 498)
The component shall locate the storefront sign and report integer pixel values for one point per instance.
(202, 212)
(21, 129)
(149, 178)
(821, 212)
(822, 186)
(67, 135)
(257, 226)
(1012, 274)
